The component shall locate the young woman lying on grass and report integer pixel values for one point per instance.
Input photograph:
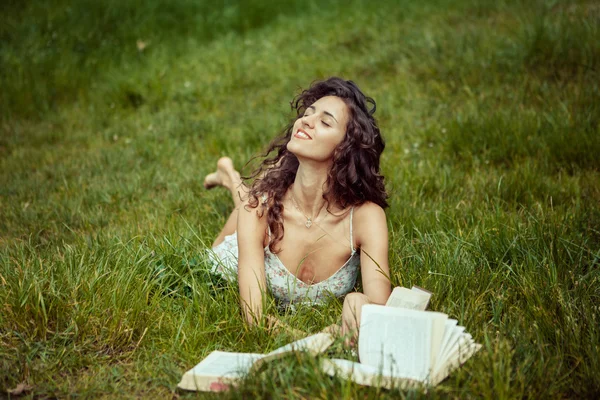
(314, 213)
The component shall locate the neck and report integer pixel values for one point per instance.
(308, 188)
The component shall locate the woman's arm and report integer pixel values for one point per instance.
(371, 233)
(251, 230)
(371, 230)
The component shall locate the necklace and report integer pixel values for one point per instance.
(309, 220)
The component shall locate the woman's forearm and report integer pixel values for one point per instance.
(251, 299)
(251, 264)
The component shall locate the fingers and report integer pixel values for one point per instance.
(351, 313)
(218, 387)
(352, 339)
(345, 328)
(349, 328)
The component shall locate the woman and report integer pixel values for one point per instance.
(314, 214)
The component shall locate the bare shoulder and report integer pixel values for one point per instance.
(368, 211)
(369, 222)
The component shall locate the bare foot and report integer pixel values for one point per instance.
(223, 176)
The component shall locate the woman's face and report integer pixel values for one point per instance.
(320, 130)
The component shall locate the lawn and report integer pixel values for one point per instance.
(112, 112)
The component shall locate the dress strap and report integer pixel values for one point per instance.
(264, 199)
(351, 236)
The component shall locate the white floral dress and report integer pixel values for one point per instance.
(285, 286)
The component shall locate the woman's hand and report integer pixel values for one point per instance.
(351, 312)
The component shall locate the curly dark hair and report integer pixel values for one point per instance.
(354, 177)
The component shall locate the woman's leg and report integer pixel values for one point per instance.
(229, 178)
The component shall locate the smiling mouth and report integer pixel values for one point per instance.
(300, 134)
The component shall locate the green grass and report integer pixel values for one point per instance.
(491, 113)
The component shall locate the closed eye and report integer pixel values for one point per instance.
(326, 124)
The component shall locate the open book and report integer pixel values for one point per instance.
(222, 368)
(402, 347)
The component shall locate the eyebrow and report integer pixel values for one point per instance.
(324, 112)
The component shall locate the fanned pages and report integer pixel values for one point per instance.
(221, 369)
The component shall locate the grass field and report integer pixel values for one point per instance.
(112, 112)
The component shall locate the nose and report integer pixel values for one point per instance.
(307, 120)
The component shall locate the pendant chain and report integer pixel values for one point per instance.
(309, 220)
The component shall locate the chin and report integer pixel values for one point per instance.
(300, 152)
(292, 147)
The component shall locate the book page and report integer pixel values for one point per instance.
(359, 373)
(313, 344)
(464, 349)
(424, 292)
(222, 363)
(455, 334)
(469, 349)
(399, 341)
(402, 297)
(438, 330)
(421, 290)
(316, 343)
(217, 371)
(449, 331)
(457, 354)
(365, 374)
